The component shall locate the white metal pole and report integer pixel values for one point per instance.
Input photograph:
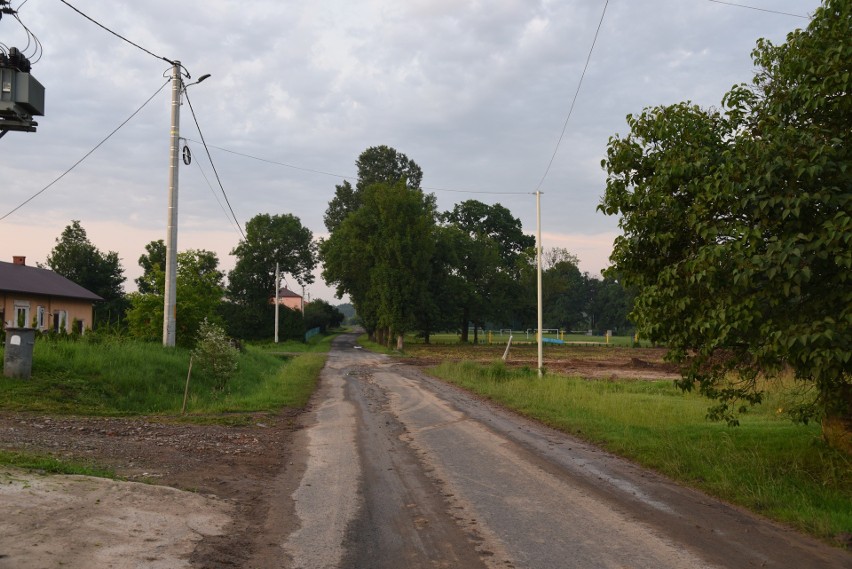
(277, 286)
(538, 262)
(169, 303)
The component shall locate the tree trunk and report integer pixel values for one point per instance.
(465, 324)
(399, 342)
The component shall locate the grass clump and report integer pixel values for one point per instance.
(50, 465)
(767, 464)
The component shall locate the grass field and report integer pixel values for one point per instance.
(115, 376)
(768, 464)
(112, 376)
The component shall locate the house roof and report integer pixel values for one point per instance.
(32, 280)
(285, 292)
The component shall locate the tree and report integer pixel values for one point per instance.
(377, 164)
(737, 226)
(320, 314)
(381, 256)
(199, 293)
(489, 247)
(77, 259)
(270, 239)
(564, 296)
(607, 305)
(154, 257)
(550, 257)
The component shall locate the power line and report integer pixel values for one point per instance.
(760, 9)
(116, 34)
(343, 177)
(89, 153)
(574, 101)
(212, 191)
(209, 157)
(268, 161)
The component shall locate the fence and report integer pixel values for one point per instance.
(311, 333)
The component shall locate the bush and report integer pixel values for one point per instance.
(215, 355)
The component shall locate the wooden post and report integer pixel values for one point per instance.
(186, 389)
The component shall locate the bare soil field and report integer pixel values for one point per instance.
(590, 362)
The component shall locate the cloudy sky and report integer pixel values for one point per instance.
(476, 92)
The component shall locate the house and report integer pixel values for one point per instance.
(290, 299)
(39, 298)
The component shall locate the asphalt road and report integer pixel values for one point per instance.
(399, 470)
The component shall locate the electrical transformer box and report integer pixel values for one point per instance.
(20, 93)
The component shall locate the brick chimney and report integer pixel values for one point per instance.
(19, 260)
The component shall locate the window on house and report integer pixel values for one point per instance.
(22, 314)
(40, 317)
(78, 327)
(60, 321)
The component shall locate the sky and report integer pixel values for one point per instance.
(476, 92)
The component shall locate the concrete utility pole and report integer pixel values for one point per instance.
(170, 292)
(169, 303)
(538, 262)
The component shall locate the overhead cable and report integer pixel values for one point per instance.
(209, 157)
(760, 9)
(89, 153)
(117, 34)
(215, 195)
(574, 101)
(343, 177)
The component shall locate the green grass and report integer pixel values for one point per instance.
(767, 464)
(317, 344)
(116, 377)
(52, 465)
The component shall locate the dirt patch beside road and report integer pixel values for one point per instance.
(583, 361)
(230, 470)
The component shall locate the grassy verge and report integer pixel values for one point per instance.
(123, 377)
(365, 341)
(767, 465)
(317, 344)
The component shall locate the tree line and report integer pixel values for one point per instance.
(243, 306)
(405, 266)
(409, 268)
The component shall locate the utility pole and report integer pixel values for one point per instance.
(277, 287)
(169, 303)
(538, 262)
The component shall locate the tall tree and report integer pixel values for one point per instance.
(736, 226)
(381, 256)
(550, 257)
(564, 296)
(77, 259)
(377, 164)
(270, 239)
(489, 249)
(153, 258)
(199, 293)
